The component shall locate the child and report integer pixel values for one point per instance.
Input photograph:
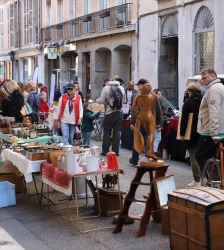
(43, 105)
(87, 122)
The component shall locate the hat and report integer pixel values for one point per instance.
(107, 79)
(43, 93)
(70, 86)
(142, 81)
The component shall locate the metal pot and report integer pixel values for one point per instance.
(67, 148)
(94, 149)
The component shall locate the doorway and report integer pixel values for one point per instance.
(168, 69)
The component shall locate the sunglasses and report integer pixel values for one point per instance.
(69, 89)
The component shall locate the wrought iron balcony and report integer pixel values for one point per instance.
(104, 20)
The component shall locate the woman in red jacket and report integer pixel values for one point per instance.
(44, 108)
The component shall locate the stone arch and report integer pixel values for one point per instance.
(203, 20)
(169, 26)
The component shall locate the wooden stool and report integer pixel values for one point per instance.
(150, 207)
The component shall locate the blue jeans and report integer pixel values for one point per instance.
(68, 131)
(86, 138)
(157, 139)
(135, 156)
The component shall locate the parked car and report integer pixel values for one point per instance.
(168, 109)
(197, 78)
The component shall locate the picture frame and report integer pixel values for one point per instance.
(162, 187)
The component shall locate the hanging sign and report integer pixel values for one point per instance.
(52, 53)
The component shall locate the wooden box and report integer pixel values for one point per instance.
(196, 219)
(109, 202)
(35, 156)
(9, 172)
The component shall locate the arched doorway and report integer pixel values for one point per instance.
(168, 60)
(122, 62)
(102, 70)
(204, 39)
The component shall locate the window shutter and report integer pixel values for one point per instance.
(16, 22)
(1, 30)
(12, 34)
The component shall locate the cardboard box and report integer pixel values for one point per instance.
(10, 173)
(97, 107)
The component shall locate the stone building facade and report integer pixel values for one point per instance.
(72, 40)
(177, 39)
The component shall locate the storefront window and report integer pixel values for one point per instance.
(2, 69)
(25, 71)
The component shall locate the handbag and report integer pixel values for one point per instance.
(77, 134)
(26, 109)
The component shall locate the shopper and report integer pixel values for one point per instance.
(158, 129)
(14, 102)
(192, 105)
(22, 90)
(44, 108)
(78, 92)
(34, 100)
(113, 116)
(57, 95)
(210, 118)
(130, 92)
(87, 122)
(70, 113)
(41, 88)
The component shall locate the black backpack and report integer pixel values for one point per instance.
(115, 98)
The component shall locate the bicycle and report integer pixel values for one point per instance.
(213, 171)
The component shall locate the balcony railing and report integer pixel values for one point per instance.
(107, 19)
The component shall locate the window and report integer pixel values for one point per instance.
(204, 40)
(48, 14)
(121, 13)
(1, 30)
(28, 21)
(10, 22)
(60, 11)
(72, 9)
(86, 10)
(103, 21)
(73, 67)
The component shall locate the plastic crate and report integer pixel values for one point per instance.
(7, 194)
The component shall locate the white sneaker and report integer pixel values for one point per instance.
(194, 184)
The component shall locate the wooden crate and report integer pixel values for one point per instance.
(196, 219)
(109, 202)
(35, 156)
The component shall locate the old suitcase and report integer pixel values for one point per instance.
(196, 219)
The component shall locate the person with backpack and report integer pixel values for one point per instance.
(114, 97)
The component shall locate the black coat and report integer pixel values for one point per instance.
(17, 103)
(191, 106)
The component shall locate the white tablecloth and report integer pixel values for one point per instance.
(66, 191)
(25, 166)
